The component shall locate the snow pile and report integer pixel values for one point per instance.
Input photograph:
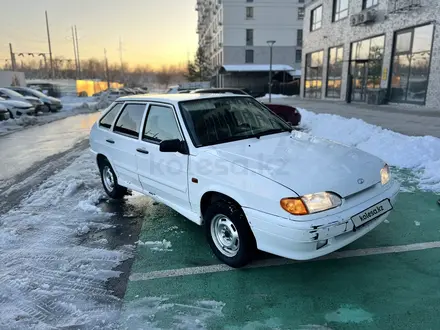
(274, 96)
(419, 154)
(47, 280)
(74, 103)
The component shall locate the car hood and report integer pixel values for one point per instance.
(305, 164)
(53, 100)
(32, 98)
(16, 104)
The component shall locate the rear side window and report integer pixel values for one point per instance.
(161, 125)
(129, 122)
(108, 119)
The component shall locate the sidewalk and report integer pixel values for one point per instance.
(406, 119)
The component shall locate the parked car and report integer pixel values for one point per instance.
(4, 113)
(128, 91)
(46, 87)
(230, 164)
(114, 94)
(287, 112)
(9, 94)
(17, 108)
(140, 90)
(52, 103)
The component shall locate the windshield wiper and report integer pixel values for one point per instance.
(271, 131)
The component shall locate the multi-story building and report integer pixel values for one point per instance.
(372, 51)
(235, 32)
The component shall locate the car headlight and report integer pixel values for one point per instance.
(385, 174)
(312, 203)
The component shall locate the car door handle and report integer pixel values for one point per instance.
(110, 141)
(142, 151)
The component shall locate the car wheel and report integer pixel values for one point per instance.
(110, 181)
(229, 234)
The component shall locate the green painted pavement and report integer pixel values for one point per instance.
(399, 291)
(394, 291)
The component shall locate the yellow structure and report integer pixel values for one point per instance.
(92, 87)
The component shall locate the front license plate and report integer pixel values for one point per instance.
(372, 213)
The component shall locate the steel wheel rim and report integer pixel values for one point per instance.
(225, 235)
(108, 178)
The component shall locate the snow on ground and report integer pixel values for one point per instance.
(419, 154)
(274, 96)
(71, 106)
(47, 279)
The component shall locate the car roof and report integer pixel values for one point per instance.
(219, 90)
(173, 98)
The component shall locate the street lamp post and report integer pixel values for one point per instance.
(270, 43)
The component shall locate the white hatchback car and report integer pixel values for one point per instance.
(230, 164)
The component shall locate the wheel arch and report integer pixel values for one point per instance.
(100, 158)
(212, 196)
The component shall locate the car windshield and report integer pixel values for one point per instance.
(35, 92)
(10, 92)
(219, 120)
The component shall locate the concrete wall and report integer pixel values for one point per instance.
(273, 20)
(341, 33)
(281, 55)
(222, 30)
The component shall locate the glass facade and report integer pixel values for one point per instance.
(366, 66)
(334, 73)
(411, 61)
(314, 69)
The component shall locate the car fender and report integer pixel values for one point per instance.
(209, 173)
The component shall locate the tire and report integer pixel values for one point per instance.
(223, 221)
(110, 181)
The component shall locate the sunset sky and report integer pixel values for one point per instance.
(153, 32)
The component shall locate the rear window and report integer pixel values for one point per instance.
(108, 119)
(129, 122)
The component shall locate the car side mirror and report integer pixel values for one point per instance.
(173, 146)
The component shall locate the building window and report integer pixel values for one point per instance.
(315, 22)
(299, 37)
(313, 74)
(249, 12)
(366, 66)
(301, 1)
(334, 72)
(249, 56)
(301, 13)
(411, 61)
(249, 0)
(249, 37)
(369, 3)
(340, 9)
(298, 56)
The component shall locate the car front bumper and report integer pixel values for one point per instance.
(301, 240)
